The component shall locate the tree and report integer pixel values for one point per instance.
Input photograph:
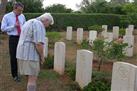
(2, 8)
(85, 5)
(115, 50)
(119, 1)
(99, 50)
(129, 8)
(100, 6)
(9, 6)
(30, 6)
(108, 50)
(58, 8)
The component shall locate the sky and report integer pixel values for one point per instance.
(68, 3)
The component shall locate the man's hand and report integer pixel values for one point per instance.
(42, 60)
(17, 24)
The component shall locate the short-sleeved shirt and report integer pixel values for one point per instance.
(33, 32)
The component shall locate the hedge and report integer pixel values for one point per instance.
(62, 20)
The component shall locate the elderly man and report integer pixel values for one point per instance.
(30, 48)
(11, 24)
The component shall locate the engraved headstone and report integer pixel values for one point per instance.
(129, 39)
(59, 57)
(109, 37)
(124, 77)
(84, 67)
(69, 33)
(79, 35)
(92, 36)
(115, 32)
(104, 32)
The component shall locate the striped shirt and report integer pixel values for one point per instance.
(33, 32)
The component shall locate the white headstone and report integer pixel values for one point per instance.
(129, 39)
(129, 31)
(69, 33)
(124, 77)
(92, 36)
(131, 27)
(46, 48)
(104, 32)
(84, 67)
(105, 27)
(109, 37)
(115, 32)
(79, 35)
(59, 57)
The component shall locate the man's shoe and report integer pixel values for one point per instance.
(17, 79)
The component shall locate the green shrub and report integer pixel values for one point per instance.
(97, 75)
(49, 74)
(53, 37)
(74, 86)
(122, 32)
(116, 50)
(31, 15)
(99, 50)
(130, 18)
(49, 61)
(85, 44)
(97, 86)
(96, 28)
(100, 82)
(124, 21)
(108, 50)
(70, 70)
(133, 18)
(62, 20)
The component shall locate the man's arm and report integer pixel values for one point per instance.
(40, 48)
(4, 25)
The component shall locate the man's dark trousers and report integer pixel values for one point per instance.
(13, 42)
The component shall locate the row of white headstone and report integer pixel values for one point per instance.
(108, 36)
(92, 35)
(124, 75)
(83, 63)
(105, 34)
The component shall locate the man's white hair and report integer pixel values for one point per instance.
(47, 16)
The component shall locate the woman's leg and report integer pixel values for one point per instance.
(31, 86)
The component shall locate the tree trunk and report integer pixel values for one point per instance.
(100, 63)
(2, 8)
